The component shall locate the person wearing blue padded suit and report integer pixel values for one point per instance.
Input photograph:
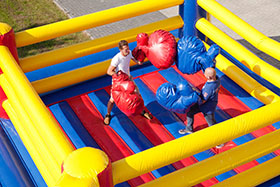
(207, 104)
(121, 61)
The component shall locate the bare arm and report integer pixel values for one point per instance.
(137, 61)
(203, 101)
(111, 70)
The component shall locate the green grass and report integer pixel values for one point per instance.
(26, 14)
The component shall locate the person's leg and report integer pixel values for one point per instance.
(146, 115)
(210, 119)
(110, 106)
(108, 116)
(143, 113)
(190, 116)
(136, 87)
(190, 119)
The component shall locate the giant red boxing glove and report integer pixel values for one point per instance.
(124, 95)
(137, 53)
(161, 49)
(142, 39)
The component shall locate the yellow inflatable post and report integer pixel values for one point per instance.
(86, 167)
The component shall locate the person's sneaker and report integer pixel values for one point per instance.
(107, 119)
(220, 146)
(184, 131)
(147, 115)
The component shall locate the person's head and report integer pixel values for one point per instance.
(123, 47)
(210, 74)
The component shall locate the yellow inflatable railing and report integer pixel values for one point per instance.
(81, 23)
(246, 82)
(101, 44)
(252, 87)
(44, 140)
(48, 145)
(164, 154)
(39, 131)
(242, 54)
(91, 71)
(213, 166)
(256, 38)
(254, 176)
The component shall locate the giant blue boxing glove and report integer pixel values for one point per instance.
(208, 58)
(177, 98)
(192, 55)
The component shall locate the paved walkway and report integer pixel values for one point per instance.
(261, 14)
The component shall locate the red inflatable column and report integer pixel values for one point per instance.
(86, 167)
(7, 38)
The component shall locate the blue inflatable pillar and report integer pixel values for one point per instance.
(190, 13)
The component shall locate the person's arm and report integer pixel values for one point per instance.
(204, 95)
(201, 101)
(111, 70)
(136, 61)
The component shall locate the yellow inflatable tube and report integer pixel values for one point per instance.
(81, 23)
(86, 48)
(245, 81)
(249, 33)
(48, 176)
(39, 151)
(223, 162)
(254, 176)
(163, 154)
(53, 136)
(242, 54)
(94, 70)
(26, 121)
(77, 76)
(249, 84)
(84, 167)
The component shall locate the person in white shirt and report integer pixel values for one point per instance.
(121, 61)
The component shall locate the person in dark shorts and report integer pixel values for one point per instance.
(121, 62)
(208, 103)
